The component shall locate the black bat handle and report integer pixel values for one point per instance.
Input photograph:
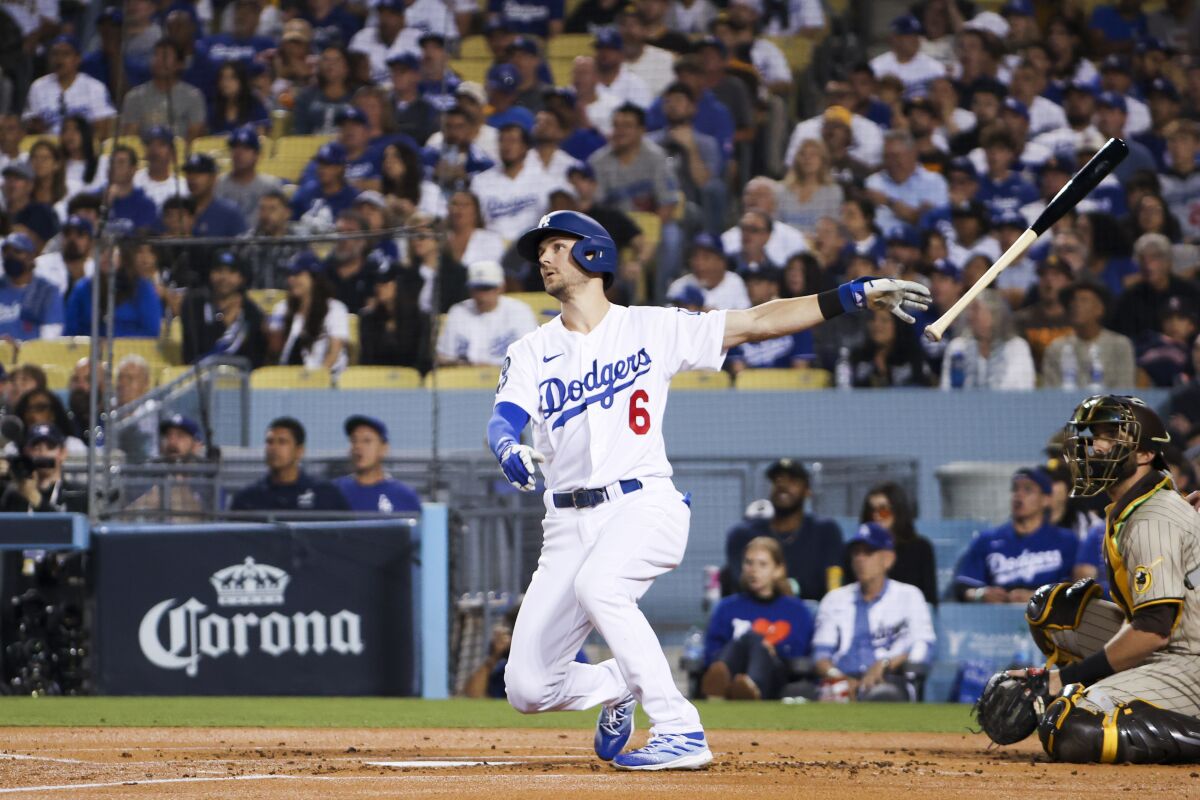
(1082, 183)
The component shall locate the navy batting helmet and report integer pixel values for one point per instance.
(595, 251)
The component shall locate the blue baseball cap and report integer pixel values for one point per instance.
(67, 40)
(404, 60)
(358, 420)
(582, 168)
(706, 241)
(496, 25)
(1038, 475)
(1083, 87)
(1151, 44)
(687, 295)
(160, 133)
(391, 5)
(947, 268)
(1059, 161)
(431, 36)
(182, 423)
(382, 267)
(964, 165)
(1115, 62)
(45, 432)
(19, 241)
(200, 162)
(564, 93)
(1112, 100)
(78, 223)
(1017, 107)
(710, 41)
(906, 234)
(873, 535)
(1163, 86)
(906, 25)
(1010, 218)
(503, 78)
(525, 44)
(331, 153)
(608, 39)
(229, 259)
(304, 261)
(349, 114)
(1017, 8)
(245, 136)
(111, 14)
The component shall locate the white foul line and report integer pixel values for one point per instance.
(20, 757)
(145, 782)
(431, 764)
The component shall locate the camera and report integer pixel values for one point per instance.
(20, 466)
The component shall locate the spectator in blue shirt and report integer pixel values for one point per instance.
(1006, 564)
(754, 635)
(502, 83)
(1090, 563)
(130, 209)
(903, 190)
(542, 18)
(108, 63)
(286, 486)
(214, 216)
(362, 161)
(1111, 114)
(1113, 27)
(712, 116)
(1002, 189)
(582, 138)
(332, 22)
(369, 488)
(138, 310)
(241, 43)
(30, 307)
(318, 204)
(784, 352)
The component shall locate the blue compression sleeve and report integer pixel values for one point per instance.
(505, 426)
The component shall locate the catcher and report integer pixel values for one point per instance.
(1122, 682)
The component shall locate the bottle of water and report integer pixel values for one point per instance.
(958, 370)
(843, 373)
(1096, 371)
(1070, 368)
(692, 659)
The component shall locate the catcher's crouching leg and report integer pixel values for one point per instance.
(1136, 732)
(1069, 621)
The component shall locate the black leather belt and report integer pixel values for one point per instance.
(587, 498)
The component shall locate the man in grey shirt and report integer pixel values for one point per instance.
(634, 174)
(243, 185)
(266, 262)
(1090, 356)
(164, 99)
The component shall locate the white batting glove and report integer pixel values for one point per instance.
(895, 295)
(517, 465)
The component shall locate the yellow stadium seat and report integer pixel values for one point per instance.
(266, 299)
(215, 146)
(290, 378)
(463, 378)
(543, 305)
(474, 47)
(796, 49)
(27, 142)
(651, 225)
(171, 344)
(286, 169)
(471, 69)
(57, 378)
(133, 142)
(379, 378)
(700, 380)
(145, 347)
(569, 45)
(353, 348)
(299, 147)
(168, 374)
(560, 69)
(64, 352)
(788, 380)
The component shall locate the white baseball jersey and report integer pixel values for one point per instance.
(596, 400)
(511, 206)
(898, 621)
(484, 338)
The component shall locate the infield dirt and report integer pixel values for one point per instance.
(297, 764)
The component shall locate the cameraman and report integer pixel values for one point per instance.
(36, 480)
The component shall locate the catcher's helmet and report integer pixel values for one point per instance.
(595, 251)
(1135, 427)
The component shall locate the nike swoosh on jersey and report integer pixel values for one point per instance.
(551, 358)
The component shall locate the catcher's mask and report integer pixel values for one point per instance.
(1127, 424)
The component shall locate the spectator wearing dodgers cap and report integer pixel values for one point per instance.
(369, 488)
(1112, 113)
(479, 330)
(905, 60)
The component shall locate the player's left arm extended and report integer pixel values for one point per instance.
(785, 317)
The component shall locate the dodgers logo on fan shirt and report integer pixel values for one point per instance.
(600, 384)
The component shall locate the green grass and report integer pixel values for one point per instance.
(373, 712)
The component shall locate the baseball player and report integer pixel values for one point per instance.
(1127, 676)
(594, 383)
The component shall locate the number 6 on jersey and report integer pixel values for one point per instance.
(639, 415)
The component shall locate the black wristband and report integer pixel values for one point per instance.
(1091, 669)
(830, 304)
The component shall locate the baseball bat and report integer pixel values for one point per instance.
(1081, 184)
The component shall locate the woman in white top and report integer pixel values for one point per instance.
(989, 354)
(809, 191)
(310, 328)
(87, 170)
(466, 238)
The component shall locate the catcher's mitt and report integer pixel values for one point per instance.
(1009, 708)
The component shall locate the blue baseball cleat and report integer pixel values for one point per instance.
(614, 728)
(668, 751)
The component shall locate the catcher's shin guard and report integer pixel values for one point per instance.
(1136, 732)
(1058, 606)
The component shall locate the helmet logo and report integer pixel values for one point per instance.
(544, 222)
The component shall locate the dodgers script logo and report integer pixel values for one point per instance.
(599, 385)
